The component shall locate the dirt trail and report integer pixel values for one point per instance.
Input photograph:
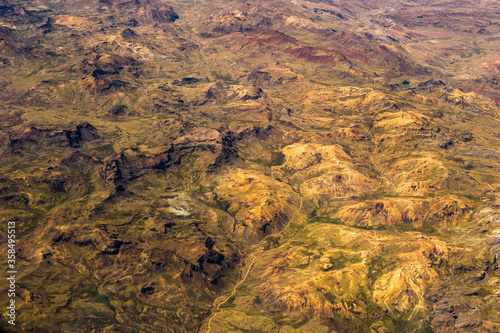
(259, 248)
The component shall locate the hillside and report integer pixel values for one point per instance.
(265, 166)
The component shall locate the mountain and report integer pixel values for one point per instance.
(265, 166)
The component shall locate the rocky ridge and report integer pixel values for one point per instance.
(331, 166)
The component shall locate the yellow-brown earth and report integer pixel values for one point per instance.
(265, 166)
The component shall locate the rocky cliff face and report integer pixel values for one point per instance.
(265, 166)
